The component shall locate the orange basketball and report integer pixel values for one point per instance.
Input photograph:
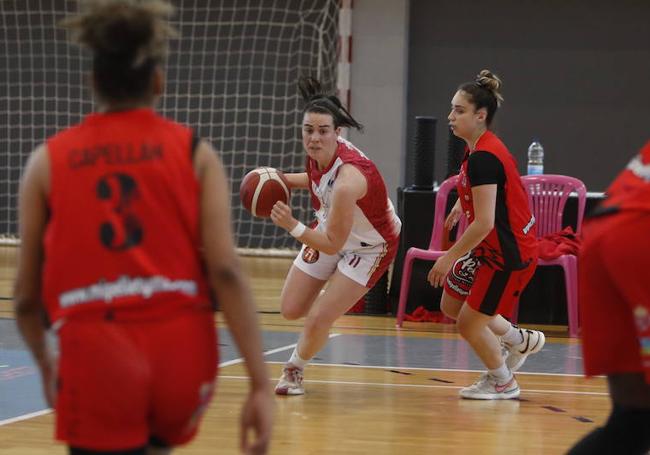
(261, 188)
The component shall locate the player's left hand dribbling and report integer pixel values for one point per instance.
(282, 217)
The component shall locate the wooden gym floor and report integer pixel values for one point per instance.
(373, 390)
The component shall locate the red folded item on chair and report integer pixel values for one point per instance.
(421, 314)
(555, 245)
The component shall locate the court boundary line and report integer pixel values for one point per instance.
(20, 418)
(239, 360)
(391, 367)
(431, 386)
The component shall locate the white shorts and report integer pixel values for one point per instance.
(364, 265)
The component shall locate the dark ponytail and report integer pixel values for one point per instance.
(319, 102)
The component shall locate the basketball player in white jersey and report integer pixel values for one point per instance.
(355, 236)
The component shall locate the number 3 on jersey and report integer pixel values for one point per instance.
(123, 230)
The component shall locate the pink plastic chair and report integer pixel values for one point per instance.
(547, 196)
(435, 245)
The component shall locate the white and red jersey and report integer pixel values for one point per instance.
(375, 221)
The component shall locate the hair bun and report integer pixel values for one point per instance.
(491, 82)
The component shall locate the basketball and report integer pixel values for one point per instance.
(261, 188)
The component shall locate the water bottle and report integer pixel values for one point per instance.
(535, 158)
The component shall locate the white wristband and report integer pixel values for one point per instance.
(298, 230)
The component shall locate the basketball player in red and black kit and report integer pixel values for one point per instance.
(614, 272)
(125, 226)
(496, 256)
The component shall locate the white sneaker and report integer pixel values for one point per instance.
(516, 354)
(488, 388)
(291, 381)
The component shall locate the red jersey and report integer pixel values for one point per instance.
(123, 230)
(512, 243)
(631, 189)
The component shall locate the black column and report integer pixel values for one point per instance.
(424, 152)
(455, 152)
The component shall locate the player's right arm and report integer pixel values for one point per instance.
(298, 181)
(233, 294)
(350, 186)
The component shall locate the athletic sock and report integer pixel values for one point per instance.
(502, 374)
(296, 360)
(513, 336)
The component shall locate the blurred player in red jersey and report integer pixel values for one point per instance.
(125, 227)
(497, 255)
(614, 280)
(354, 241)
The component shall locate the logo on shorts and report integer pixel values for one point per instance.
(465, 268)
(310, 255)
(462, 273)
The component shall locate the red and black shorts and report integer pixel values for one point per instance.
(485, 289)
(614, 294)
(123, 383)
